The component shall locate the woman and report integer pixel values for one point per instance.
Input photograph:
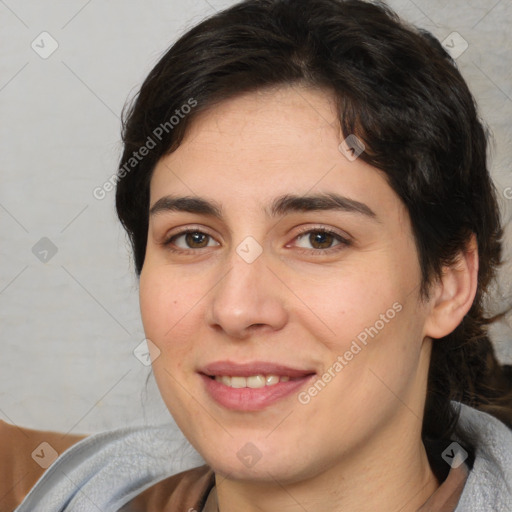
(314, 226)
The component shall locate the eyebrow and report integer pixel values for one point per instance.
(280, 206)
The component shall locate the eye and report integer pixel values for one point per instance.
(321, 240)
(316, 241)
(190, 239)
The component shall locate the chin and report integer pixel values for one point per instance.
(250, 464)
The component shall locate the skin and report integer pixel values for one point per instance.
(356, 445)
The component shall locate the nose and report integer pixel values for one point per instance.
(247, 299)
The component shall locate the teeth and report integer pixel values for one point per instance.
(271, 380)
(238, 382)
(254, 381)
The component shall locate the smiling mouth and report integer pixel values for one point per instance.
(252, 386)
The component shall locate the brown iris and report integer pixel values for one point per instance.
(195, 239)
(324, 240)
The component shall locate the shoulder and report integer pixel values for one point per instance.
(25, 454)
(488, 486)
(147, 464)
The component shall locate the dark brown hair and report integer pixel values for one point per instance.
(398, 90)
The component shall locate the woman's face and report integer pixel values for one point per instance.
(288, 334)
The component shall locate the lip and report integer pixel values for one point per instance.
(249, 399)
(254, 368)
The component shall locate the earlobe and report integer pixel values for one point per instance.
(454, 293)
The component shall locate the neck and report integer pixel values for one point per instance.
(385, 476)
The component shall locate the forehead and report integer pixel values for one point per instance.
(255, 147)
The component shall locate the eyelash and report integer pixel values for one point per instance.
(343, 242)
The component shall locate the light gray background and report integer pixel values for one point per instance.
(69, 326)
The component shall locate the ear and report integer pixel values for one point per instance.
(452, 297)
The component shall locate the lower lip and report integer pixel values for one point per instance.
(249, 399)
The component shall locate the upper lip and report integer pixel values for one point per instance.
(229, 368)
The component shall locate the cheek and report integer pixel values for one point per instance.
(165, 308)
(373, 323)
(351, 301)
(154, 301)
(165, 304)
